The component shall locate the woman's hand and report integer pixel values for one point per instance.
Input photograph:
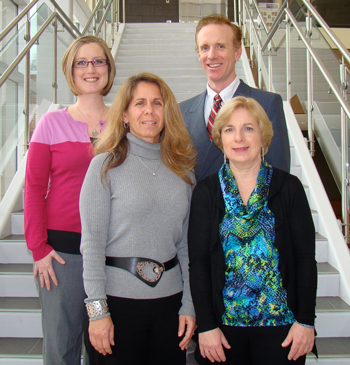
(101, 333)
(45, 270)
(210, 345)
(187, 323)
(303, 339)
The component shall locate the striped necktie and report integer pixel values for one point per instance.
(214, 110)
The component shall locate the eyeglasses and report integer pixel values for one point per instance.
(95, 63)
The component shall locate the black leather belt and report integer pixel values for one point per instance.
(135, 266)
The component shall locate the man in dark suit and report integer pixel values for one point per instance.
(218, 43)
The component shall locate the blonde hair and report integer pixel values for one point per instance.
(255, 110)
(176, 148)
(220, 19)
(69, 56)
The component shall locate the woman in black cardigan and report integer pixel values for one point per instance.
(253, 272)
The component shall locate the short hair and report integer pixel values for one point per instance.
(177, 150)
(255, 110)
(69, 56)
(220, 19)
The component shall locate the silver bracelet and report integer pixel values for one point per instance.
(97, 308)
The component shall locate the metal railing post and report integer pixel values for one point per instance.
(288, 60)
(113, 22)
(54, 82)
(260, 85)
(94, 25)
(310, 95)
(235, 11)
(104, 22)
(26, 88)
(251, 44)
(240, 14)
(123, 11)
(344, 152)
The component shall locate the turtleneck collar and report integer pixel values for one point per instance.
(142, 148)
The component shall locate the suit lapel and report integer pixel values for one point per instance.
(242, 90)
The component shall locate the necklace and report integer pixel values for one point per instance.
(153, 172)
(94, 132)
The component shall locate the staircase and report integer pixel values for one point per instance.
(165, 49)
(168, 51)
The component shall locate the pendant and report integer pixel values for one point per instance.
(94, 133)
(154, 174)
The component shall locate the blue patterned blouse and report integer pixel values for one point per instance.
(253, 293)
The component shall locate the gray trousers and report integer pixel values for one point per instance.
(63, 313)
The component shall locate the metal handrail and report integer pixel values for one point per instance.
(320, 65)
(25, 50)
(92, 17)
(66, 18)
(15, 21)
(278, 20)
(103, 18)
(254, 27)
(328, 30)
(260, 16)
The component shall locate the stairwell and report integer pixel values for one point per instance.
(168, 51)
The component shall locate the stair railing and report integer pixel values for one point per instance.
(247, 8)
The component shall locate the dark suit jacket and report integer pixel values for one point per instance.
(295, 241)
(210, 157)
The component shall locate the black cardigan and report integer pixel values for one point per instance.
(295, 241)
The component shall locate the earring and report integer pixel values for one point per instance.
(126, 125)
(262, 154)
(224, 158)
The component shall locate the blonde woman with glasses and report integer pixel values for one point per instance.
(59, 155)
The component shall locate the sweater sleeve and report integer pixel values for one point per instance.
(36, 188)
(182, 254)
(303, 239)
(95, 200)
(199, 238)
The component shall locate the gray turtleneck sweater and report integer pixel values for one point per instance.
(136, 215)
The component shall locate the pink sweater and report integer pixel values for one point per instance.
(59, 155)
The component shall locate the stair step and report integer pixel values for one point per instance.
(328, 280)
(321, 248)
(16, 280)
(338, 346)
(20, 317)
(332, 317)
(331, 351)
(21, 348)
(17, 222)
(175, 80)
(186, 61)
(159, 48)
(13, 249)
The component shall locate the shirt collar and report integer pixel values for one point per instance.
(225, 94)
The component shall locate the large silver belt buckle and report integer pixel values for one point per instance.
(157, 269)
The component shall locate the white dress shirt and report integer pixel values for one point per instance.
(225, 95)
